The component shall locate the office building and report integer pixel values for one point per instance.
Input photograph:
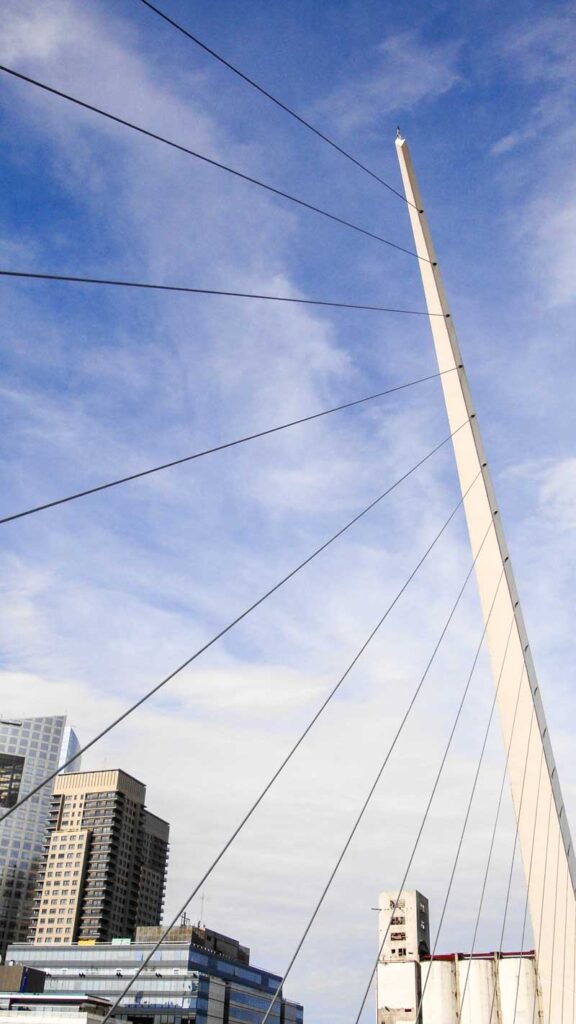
(414, 987)
(103, 870)
(197, 977)
(30, 750)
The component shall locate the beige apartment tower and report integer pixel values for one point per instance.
(103, 871)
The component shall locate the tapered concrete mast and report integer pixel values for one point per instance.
(543, 831)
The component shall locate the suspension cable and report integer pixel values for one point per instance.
(493, 837)
(544, 881)
(552, 961)
(564, 945)
(525, 915)
(217, 448)
(70, 279)
(298, 743)
(374, 785)
(274, 99)
(467, 815)
(209, 160)
(432, 792)
(230, 625)
(514, 846)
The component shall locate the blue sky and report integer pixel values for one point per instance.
(103, 597)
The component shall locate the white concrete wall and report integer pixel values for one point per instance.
(490, 995)
(518, 998)
(440, 1002)
(397, 991)
(412, 911)
(480, 1004)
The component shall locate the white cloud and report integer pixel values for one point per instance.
(548, 227)
(543, 223)
(544, 49)
(555, 485)
(411, 70)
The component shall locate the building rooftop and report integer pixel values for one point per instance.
(496, 954)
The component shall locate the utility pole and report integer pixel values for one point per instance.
(543, 831)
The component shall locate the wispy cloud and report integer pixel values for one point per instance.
(542, 57)
(408, 69)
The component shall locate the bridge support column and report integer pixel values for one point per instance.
(549, 862)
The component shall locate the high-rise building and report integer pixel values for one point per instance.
(30, 749)
(103, 870)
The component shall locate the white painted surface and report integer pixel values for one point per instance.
(397, 991)
(440, 1003)
(50, 1016)
(499, 991)
(518, 992)
(481, 1001)
(403, 924)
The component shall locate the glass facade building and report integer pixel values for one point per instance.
(30, 749)
(184, 983)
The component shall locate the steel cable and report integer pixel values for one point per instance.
(525, 915)
(226, 629)
(274, 99)
(544, 881)
(298, 743)
(209, 160)
(514, 846)
(433, 791)
(493, 837)
(70, 279)
(467, 815)
(211, 451)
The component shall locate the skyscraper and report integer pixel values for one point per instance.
(104, 866)
(30, 749)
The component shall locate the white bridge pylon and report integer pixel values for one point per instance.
(543, 831)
